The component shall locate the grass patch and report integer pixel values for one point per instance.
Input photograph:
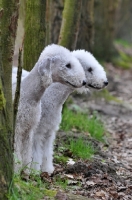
(123, 43)
(96, 128)
(107, 96)
(80, 121)
(60, 159)
(62, 182)
(80, 148)
(76, 147)
(124, 60)
(29, 190)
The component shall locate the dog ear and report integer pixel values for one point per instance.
(44, 66)
(55, 59)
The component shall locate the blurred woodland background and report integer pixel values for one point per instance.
(103, 27)
(97, 26)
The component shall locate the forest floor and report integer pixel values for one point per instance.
(108, 176)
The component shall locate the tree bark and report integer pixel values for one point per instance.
(48, 21)
(105, 15)
(20, 32)
(8, 18)
(56, 19)
(17, 92)
(34, 40)
(86, 29)
(124, 21)
(70, 24)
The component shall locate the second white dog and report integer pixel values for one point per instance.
(52, 103)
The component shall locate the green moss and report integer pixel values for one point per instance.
(34, 40)
(3, 186)
(6, 161)
(2, 100)
(50, 193)
(71, 17)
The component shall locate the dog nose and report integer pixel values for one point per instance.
(84, 83)
(105, 83)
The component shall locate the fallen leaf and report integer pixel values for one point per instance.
(90, 183)
(70, 161)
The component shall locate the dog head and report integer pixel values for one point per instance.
(94, 72)
(65, 68)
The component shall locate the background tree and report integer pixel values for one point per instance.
(105, 15)
(70, 23)
(86, 29)
(56, 19)
(48, 21)
(20, 31)
(8, 18)
(124, 21)
(34, 39)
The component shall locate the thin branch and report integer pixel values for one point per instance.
(17, 92)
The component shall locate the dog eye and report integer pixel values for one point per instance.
(90, 69)
(68, 66)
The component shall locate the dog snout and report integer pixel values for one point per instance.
(84, 82)
(105, 83)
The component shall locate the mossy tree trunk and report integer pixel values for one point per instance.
(105, 15)
(70, 24)
(8, 18)
(48, 21)
(34, 40)
(86, 29)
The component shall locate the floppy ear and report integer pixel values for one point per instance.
(55, 59)
(44, 65)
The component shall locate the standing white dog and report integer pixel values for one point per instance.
(57, 63)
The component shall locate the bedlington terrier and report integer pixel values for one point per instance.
(52, 102)
(57, 63)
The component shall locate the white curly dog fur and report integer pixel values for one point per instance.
(52, 102)
(57, 63)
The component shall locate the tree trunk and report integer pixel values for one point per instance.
(86, 29)
(56, 19)
(70, 24)
(34, 40)
(124, 21)
(8, 17)
(105, 15)
(48, 21)
(20, 32)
